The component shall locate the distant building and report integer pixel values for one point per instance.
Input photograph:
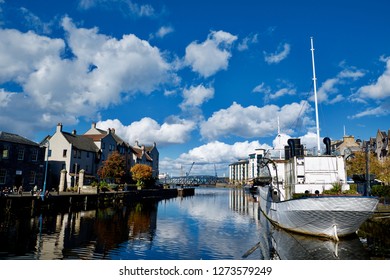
(346, 146)
(21, 162)
(382, 144)
(238, 172)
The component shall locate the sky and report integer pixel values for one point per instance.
(207, 81)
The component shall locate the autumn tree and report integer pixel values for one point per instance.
(142, 174)
(385, 171)
(113, 167)
(356, 165)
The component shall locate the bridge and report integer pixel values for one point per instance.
(194, 180)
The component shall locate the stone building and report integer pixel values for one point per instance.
(21, 162)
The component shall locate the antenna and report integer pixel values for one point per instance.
(315, 98)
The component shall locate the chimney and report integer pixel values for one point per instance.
(74, 132)
(109, 131)
(93, 125)
(113, 130)
(59, 127)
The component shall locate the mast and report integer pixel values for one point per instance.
(315, 98)
(279, 136)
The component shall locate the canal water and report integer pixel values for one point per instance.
(214, 224)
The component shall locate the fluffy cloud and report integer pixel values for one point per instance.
(147, 131)
(212, 55)
(380, 89)
(196, 96)
(99, 72)
(254, 121)
(276, 57)
(218, 155)
(205, 156)
(22, 53)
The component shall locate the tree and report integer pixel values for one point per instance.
(384, 174)
(357, 164)
(113, 167)
(143, 174)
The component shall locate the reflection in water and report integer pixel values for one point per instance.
(276, 243)
(75, 235)
(213, 224)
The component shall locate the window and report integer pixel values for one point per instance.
(74, 153)
(3, 176)
(64, 152)
(31, 178)
(34, 155)
(21, 154)
(5, 152)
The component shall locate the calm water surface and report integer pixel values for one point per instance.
(213, 224)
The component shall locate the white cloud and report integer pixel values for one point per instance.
(35, 23)
(5, 97)
(244, 44)
(102, 71)
(205, 156)
(219, 155)
(331, 86)
(281, 53)
(267, 91)
(126, 7)
(196, 96)
(254, 121)
(147, 131)
(381, 110)
(212, 55)
(164, 31)
(22, 53)
(262, 88)
(381, 88)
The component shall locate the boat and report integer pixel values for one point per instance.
(330, 216)
(291, 190)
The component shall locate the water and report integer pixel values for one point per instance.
(214, 224)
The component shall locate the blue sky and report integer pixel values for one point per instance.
(205, 80)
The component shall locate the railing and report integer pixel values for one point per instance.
(194, 180)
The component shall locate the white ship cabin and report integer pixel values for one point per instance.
(299, 172)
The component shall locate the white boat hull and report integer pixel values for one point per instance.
(328, 216)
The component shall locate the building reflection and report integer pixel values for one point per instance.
(90, 234)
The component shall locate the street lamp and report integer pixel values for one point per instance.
(47, 162)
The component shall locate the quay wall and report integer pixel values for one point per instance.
(64, 200)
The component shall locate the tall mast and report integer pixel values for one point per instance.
(315, 98)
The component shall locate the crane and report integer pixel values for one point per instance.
(189, 171)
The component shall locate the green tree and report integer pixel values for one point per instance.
(142, 174)
(113, 167)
